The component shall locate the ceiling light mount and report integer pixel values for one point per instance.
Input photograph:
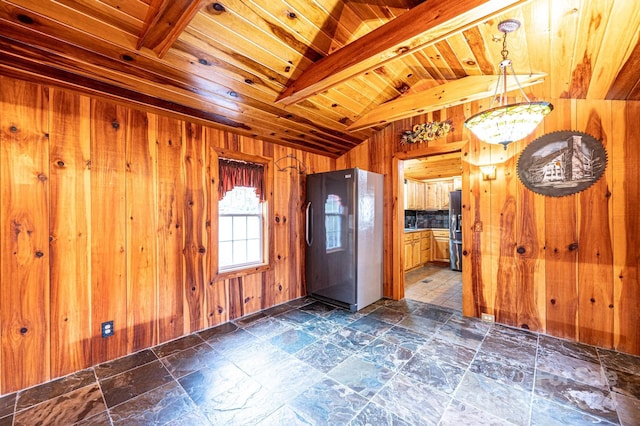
(508, 25)
(507, 123)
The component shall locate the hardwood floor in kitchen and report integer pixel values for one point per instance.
(436, 284)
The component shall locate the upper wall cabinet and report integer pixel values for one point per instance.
(429, 195)
(445, 188)
(415, 195)
(457, 183)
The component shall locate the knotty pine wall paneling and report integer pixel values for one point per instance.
(624, 162)
(141, 158)
(170, 224)
(108, 229)
(108, 213)
(251, 294)
(24, 216)
(595, 250)
(282, 210)
(529, 252)
(293, 237)
(478, 230)
(286, 245)
(195, 240)
(502, 221)
(380, 153)
(469, 297)
(561, 252)
(565, 266)
(69, 224)
(216, 292)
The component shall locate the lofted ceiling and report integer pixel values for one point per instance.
(318, 75)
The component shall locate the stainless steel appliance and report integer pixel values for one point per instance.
(455, 230)
(344, 237)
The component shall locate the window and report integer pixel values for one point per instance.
(241, 215)
(240, 228)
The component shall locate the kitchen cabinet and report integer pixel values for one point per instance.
(445, 188)
(415, 197)
(440, 246)
(433, 195)
(457, 183)
(409, 194)
(429, 195)
(408, 254)
(421, 202)
(409, 244)
(415, 255)
(438, 193)
(425, 247)
(417, 249)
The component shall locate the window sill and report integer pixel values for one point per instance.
(242, 271)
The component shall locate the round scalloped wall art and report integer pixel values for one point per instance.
(562, 163)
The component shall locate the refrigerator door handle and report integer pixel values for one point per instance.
(308, 224)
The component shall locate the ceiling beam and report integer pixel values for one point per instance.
(428, 150)
(456, 92)
(165, 21)
(424, 24)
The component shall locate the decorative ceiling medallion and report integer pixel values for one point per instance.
(562, 163)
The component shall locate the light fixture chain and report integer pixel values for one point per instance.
(508, 122)
(504, 52)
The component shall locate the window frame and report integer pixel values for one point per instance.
(248, 264)
(267, 216)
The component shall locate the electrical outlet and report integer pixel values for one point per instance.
(488, 318)
(107, 328)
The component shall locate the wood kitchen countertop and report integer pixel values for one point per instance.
(409, 230)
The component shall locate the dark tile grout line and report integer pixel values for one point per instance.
(246, 324)
(535, 375)
(99, 381)
(492, 326)
(175, 379)
(468, 370)
(104, 401)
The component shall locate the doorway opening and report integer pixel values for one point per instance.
(427, 182)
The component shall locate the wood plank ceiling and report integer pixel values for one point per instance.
(433, 167)
(307, 73)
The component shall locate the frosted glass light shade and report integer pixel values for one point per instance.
(508, 123)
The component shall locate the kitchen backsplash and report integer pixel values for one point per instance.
(426, 219)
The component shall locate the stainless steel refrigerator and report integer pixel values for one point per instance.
(343, 260)
(455, 230)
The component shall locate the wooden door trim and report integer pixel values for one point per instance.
(397, 286)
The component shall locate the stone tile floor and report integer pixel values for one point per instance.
(436, 284)
(304, 362)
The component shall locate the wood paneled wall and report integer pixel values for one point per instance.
(565, 266)
(106, 214)
(577, 274)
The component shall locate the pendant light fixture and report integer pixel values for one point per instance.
(507, 123)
